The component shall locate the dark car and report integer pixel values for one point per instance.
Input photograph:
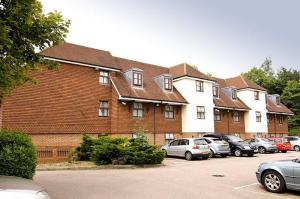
(237, 146)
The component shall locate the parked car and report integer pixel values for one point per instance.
(280, 175)
(218, 147)
(262, 144)
(189, 148)
(237, 146)
(295, 142)
(282, 144)
(20, 188)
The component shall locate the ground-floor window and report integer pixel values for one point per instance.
(169, 137)
(236, 116)
(217, 115)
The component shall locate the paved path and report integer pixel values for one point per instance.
(180, 179)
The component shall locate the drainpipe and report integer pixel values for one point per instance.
(228, 122)
(275, 124)
(154, 123)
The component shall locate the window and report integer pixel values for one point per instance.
(269, 118)
(258, 116)
(199, 86)
(277, 100)
(175, 143)
(280, 119)
(103, 79)
(234, 94)
(169, 112)
(215, 91)
(236, 116)
(266, 98)
(138, 110)
(217, 115)
(184, 142)
(169, 137)
(168, 83)
(200, 112)
(137, 79)
(256, 95)
(103, 109)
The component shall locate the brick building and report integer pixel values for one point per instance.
(98, 94)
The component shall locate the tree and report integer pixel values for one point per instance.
(24, 30)
(291, 98)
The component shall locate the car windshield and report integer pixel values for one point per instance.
(235, 139)
(200, 142)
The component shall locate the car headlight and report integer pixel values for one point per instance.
(247, 147)
(42, 195)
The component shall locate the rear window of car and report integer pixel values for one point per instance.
(200, 142)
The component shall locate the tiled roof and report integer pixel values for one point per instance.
(150, 90)
(184, 69)
(241, 82)
(81, 54)
(280, 108)
(226, 101)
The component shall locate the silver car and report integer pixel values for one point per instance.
(280, 175)
(263, 145)
(188, 147)
(19, 188)
(295, 142)
(217, 147)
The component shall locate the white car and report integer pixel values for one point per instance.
(295, 142)
(188, 147)
(19, 188)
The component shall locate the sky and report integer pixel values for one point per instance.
(222, 37)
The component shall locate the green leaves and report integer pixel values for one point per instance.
(25, 30)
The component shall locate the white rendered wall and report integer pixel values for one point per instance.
(251, 126)
(190, 123)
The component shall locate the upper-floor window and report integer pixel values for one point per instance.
(236, 116)
(168, 83)
(217, 115)
(169, 112)
(200, 112)
(137, 79)
(234, 94)
(277, 100)
(256, 95)
(199, 86)
(216, 91)
(103, 109)
(103, 79)
(138, 110)
(266, 98)
(258, 116)
(280, 119)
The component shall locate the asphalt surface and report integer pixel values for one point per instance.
(228, 178)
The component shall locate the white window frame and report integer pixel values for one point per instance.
(137, 78)
(199, 86)
(138, 110)
(201, 112)
(168, 83)
(258, 116)
(104, 77)
(169, 112)
(103, 108)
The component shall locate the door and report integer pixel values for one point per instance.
(297, 174)
(172, 149)
(182, 148)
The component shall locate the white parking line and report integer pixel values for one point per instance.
(266, 194)
(248, 185)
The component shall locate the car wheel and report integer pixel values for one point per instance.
(273, 182)
(211, 154)
(188, 156)
(297, 148)
(223, 155)
(261, 150)
(238, 153)
(283, 151)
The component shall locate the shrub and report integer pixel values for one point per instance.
(17, 155)
(84, 151)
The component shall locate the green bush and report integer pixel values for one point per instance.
(84, 151)
(108, 150)
(294, 132)
(17, 155)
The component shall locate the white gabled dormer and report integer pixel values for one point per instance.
(135, 77)
(230, 92)
(275, 98)
(165, 82)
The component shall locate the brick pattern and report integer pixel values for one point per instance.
(274, 127)
(227, 126)
(1, 110)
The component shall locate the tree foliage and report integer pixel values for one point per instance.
(24, 30)
(286, 82)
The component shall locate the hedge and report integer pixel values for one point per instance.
(17, 155)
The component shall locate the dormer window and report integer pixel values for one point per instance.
(234, 94)
(216, 91)
(168, 83)
(277, 100)
(137, 79)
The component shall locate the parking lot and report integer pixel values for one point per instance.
(228, 178)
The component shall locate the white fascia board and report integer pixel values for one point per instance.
(251, 89)
(227, 108)
(174, 103)
(82, 64)
(280, 113)
(192, 78)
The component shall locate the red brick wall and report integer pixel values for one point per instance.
(1, 116)
(274, 127)
(227, 125)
